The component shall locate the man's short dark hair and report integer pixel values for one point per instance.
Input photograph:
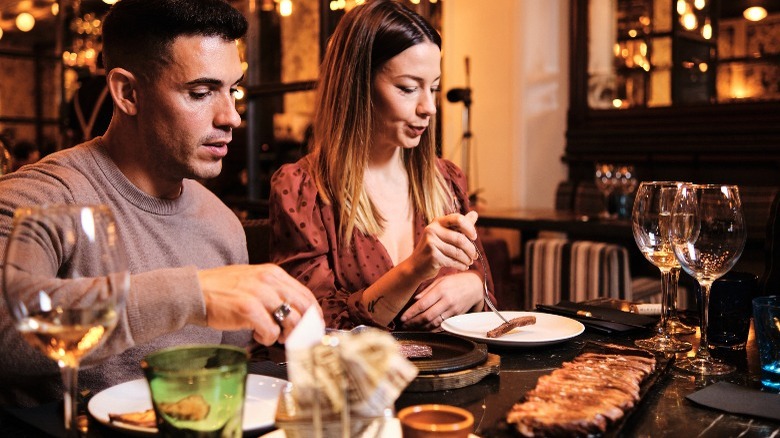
(137, 34)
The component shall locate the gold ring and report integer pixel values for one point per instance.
(281, 313)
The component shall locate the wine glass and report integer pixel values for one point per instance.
(606, 182)
(626, 184)
(650, 220)
(708, 235)
(65, 279)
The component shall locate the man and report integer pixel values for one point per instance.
(173, 67)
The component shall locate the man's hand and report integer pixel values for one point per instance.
(245, 296)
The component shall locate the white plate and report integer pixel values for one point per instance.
(391, 429)
(262, 394)
(548, 329)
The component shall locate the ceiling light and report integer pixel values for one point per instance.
(25, 22)
(755, 13)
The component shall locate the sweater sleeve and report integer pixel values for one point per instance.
(458, 184)
(158, 302)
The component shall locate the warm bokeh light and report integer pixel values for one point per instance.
(1, 33)
(706, 31)
(109, 2)
(689, 21)
(632, 33)
(755, 13)
(699, 4)
(240, 93)
(285, 8)
(617, 103)
(25, 22)
(681, 7)
(55, 8)
(703, 67)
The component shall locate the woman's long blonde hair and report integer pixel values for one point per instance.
(364, 40)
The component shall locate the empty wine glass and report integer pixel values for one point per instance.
(625, 187)
(65, 279)
(626, 179)
(708, 235)
(606, 182)
(650, 220)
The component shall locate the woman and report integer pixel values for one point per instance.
(371, 220)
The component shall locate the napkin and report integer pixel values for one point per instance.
(600, 318)
(362, 372)
(737, 399)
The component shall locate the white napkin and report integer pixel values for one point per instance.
(363, 371)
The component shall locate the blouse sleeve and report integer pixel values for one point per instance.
(304, 232)
(458, 184)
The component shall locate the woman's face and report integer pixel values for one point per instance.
(404, 92)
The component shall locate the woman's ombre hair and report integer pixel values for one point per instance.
(365, 39)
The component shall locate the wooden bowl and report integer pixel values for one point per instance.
(435, 421)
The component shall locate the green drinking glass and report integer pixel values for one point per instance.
(198, 390)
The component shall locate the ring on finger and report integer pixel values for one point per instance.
(281, 313)
(442, 318)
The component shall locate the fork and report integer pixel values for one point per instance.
(484, 283)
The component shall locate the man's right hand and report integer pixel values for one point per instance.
(245, 296)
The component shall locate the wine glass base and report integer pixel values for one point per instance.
(664, 344)
(677, 327)
(704, 367)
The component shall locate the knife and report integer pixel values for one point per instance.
(584, 315)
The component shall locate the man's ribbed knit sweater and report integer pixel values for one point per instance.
(166, 242)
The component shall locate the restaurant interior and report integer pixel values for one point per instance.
(534, 93)
(556, 110)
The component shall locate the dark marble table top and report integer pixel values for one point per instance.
(663, 411)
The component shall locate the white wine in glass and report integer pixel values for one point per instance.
(65, 278)
(708, 236)
(650, 221)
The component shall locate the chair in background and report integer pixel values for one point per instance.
(258, 239)
(559, 269)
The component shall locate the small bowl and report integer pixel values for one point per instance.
(435, 421)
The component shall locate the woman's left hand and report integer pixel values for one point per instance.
(447, 296)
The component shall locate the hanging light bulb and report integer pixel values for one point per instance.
(25, 21)
(754, 13)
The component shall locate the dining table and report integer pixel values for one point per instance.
(663, 409)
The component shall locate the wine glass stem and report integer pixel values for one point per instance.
(666, 285)
(703, 352)
(671, 305)
(70, 384)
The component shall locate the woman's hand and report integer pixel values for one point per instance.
(447, 296)
(446, 243)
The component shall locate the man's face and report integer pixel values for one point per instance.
(187, 112)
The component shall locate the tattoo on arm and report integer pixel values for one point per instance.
(372, 304)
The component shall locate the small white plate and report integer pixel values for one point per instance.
(549, 329)
(262, 395)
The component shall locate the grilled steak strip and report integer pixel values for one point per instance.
(513, 323)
